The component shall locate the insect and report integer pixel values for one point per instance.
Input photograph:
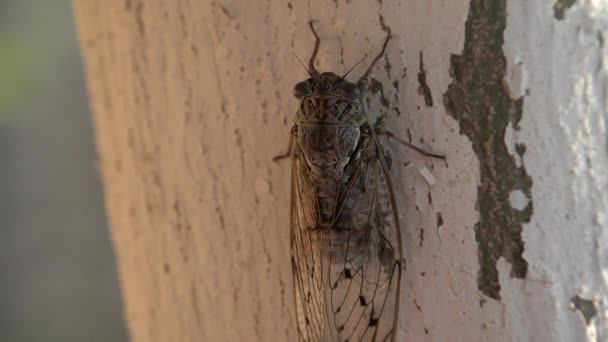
(346, 247)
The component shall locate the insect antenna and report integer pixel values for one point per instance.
(369, 69)
(354, 66)
(311, 65)
(305, 68)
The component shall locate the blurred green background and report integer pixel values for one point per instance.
(58, 278)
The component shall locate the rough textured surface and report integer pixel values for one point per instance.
(560, 7)
(193, 98)
(562, 66)
(480, 101)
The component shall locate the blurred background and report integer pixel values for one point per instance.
(57, 270)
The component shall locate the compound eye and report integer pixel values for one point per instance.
(301, 89)
(349, 90)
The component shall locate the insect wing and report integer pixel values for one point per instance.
(306, 262)
(347, 282)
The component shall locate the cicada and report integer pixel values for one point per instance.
(346, 246)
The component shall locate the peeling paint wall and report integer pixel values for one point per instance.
(193, 99)
(480, 101)
(560, 63)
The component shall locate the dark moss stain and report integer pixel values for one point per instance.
(396, 107)
(585, 307)
(479, 99)
(421, 237)
(560, 7)
(439, 220)
(376, 87)
(423, 87)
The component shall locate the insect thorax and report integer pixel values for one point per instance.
(329, 120)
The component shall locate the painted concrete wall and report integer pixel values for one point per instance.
(193, 98)
(561, 63)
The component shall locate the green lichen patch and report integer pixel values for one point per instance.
(479, 99)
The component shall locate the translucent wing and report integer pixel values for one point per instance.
(347, 276)
(306, 262)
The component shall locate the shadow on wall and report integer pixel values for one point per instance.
(58, 278)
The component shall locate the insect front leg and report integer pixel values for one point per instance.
(292, 135)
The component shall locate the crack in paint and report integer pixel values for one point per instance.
(479, 100)
(423, 89)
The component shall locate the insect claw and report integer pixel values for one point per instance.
(287, 154)
(380, 121)
(281, 156)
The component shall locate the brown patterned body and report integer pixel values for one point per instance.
(345, 238)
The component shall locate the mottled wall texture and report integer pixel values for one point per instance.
(503, 241)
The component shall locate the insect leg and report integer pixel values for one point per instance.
(362, 83)
(311, 64)
(383, 131)
(292, 134)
